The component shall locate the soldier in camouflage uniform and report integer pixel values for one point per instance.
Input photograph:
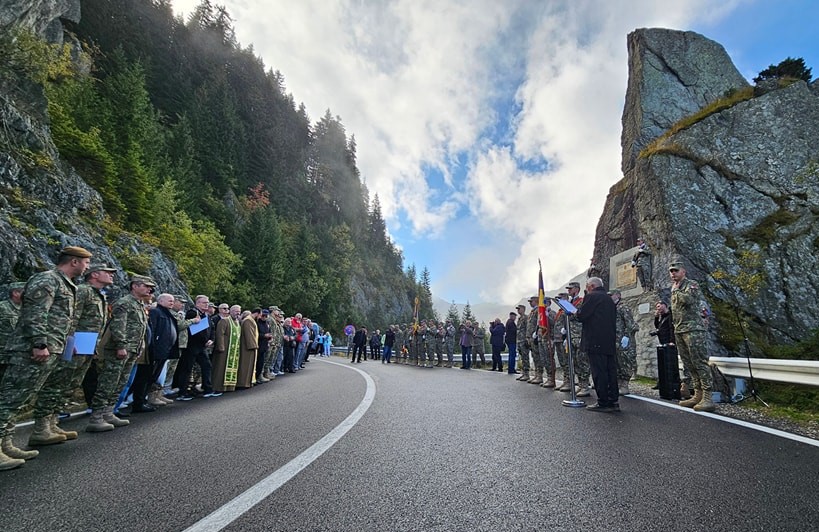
(581, 359)
(432, 336)
(449, 339)
(546, 347)
(478, 346)
(9, 312)
(440, 333)
(642, 261)
(688, 311)
(90, 313)
(421, 344)
(534, 341)
(559, 344)
(35, 346)
(277, 330)
(523, 342)
(121, 344)
(626, 328)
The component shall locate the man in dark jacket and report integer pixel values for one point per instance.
(389, 342)
(164, 340)
(512, 341)
(599, 318)
(359, 344)
(496, 334)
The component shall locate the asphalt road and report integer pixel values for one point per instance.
(438, 449)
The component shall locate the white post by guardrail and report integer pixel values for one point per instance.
(770, 369)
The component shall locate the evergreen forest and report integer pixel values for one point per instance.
(195, 145)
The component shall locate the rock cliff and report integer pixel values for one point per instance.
(734, 193)
(44, 204)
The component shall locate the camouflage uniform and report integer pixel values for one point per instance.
(440, 333)
(67, 376)
(277, 331)
(581, 359)
(449, 339)
(642, 261)
(626, 357)
(126, 330)
(432, 343)
(531, 329)
(45, 318)
(690, 333)
(523, 345)
(546, 348)
(478, 348)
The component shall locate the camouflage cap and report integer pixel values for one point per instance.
(563, 294)
(613, 292)
(521, 306)
(143, 279)
(675, 265)
(100, 267)
(16, 286)
(573, 284)
(76, 251)
(534, 297)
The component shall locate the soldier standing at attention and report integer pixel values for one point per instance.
(689, 311)
(523, 342)
(558, 341)
(450, 343)
(9, 313)
(534, 341)
(642, 261)
(120, 345)
(432, 342)
(89, 316)
(37, 342)
(581, 358)
(625, 330)
(439, 343)
(546, 347)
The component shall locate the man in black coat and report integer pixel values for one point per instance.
(599, 318)
(512, 341)
(164, 340)
(359, 344)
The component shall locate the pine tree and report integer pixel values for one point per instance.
(467, 314)
(453, 315)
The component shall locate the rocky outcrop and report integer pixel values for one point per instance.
(42, 16)
(44, 204)
(735, 194)
(672, 74)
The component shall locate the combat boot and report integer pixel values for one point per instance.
(109, 417)
(583, 390)
(622, 386)
(11, 451)
(685, 393)
(42, 434)
(524, 376)
(97, 423)
(706, 404)
(688, 403)
(55, 428)
(566, 385)
(538, 378)
(7, 462)
(154, 400)
(550, 380)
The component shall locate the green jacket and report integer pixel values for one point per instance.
(90, 312)
(9, 313)
(687, 306)
(46, 314)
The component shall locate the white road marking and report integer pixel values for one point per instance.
(775, 432)
(235, 508)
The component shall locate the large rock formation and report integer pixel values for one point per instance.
(734, 194)
(44, 204)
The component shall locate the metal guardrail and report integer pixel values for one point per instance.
(769, 369)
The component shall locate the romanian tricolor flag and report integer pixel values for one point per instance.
(415, 315)
(542, 319)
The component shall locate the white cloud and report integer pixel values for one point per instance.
(417, 81)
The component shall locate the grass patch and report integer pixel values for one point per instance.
(731, 99)
(645, 380)
(764, 232)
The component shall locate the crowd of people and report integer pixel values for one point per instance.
(142, 351)
(61, 337)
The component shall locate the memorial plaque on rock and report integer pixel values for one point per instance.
(622, 275)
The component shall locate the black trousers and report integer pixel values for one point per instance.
(89, 382)
(358, 350)
(287, 357)
(182, 377)
(146, 374)
(261, 357)
(604, 373)
(497, 361)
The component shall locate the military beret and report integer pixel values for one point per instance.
(76, 251)
(143, 279)
(676, 265)
(16, 286)
(573, 284)
(101, 267)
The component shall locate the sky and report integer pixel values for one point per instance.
(491, 130)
